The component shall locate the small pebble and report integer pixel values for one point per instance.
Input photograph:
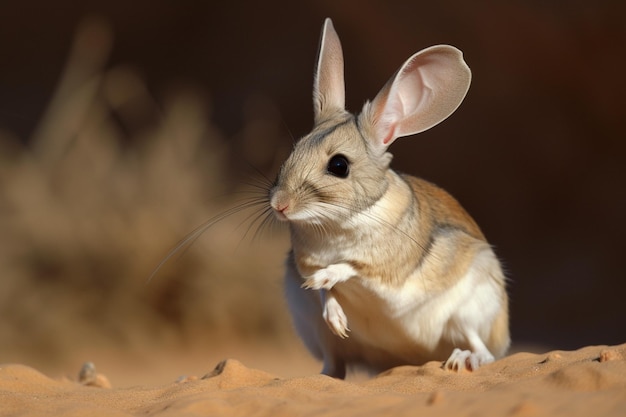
(609, 355)
(87, 373)
(184, 378)
(88, 377)
(219, 368)
(552, 357)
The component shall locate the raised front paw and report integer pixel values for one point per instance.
(335, 318)
(327, 278)
(466, 359)
(320, 280)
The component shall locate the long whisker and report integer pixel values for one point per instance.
(268, 219)
(256, 215)
(191, 237)
(264, 181)
(346, 212)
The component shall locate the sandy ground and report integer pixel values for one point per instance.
(588, 381)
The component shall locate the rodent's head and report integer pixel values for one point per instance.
(332, 173)
(340, 168)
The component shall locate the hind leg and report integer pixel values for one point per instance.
(471, 359)
(481, 321)
(334, 367)
(307, 308)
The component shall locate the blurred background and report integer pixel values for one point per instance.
(124, 125)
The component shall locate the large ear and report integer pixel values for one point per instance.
(328, 86)
(426, 90)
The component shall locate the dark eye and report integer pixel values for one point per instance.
(338, 166)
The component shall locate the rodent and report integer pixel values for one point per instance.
(385, 269)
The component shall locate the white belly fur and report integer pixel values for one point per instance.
(406, 325)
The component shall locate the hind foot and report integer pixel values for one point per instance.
(466, 359)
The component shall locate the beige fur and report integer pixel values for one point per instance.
(385, 269)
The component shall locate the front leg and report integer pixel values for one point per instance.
(327, 278)
(333, 314)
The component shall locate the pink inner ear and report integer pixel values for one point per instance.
(390, 134)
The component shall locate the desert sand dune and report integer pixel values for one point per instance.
(589, 381)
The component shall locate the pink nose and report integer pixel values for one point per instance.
(279, 202)
(282, 208)
(279, 209)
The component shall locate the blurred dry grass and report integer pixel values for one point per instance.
(109, 182)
